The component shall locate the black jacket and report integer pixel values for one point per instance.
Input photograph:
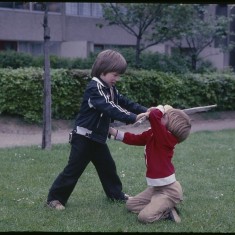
(98, 109)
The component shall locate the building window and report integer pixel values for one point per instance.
(36, 6)
(52, 6)
(8, 45)
(36, 48)
(98, 48)
(71, 8)
(85, 9)
(90, 9)
(22, 5)
(6, 4)
(15, 5)
(101, 47)
(97, 10)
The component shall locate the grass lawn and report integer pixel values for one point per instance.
(204, 165)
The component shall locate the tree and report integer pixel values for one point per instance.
(199, 31)
(142, 20)
(46, 136)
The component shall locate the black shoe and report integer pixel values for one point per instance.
(174, 215)
(124, 198)
(177, 210)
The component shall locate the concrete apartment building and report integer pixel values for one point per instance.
(75, 31)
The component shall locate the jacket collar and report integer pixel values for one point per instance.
(100, 81)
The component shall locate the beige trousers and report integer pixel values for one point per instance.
(154, 203)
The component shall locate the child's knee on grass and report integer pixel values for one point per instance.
(144, 217)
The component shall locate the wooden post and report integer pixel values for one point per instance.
(46, 136)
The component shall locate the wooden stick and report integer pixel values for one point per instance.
(199, 109)
(187, 111)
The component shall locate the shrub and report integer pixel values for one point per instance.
(21, 90)
(13, 59)
(148, 60)
(164, 63)
(79, 63)
(55, 62)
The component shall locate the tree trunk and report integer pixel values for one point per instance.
(137, 53)
(46, 136)
(194, 62)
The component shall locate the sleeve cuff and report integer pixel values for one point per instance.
(119, 136)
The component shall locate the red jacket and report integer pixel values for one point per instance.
(159, 149)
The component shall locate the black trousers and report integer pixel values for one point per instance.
(83, 151)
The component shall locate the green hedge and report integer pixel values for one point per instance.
(148, 60)
(182, 91)
(21, 90)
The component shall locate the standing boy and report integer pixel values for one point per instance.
(168, 127)
(101, 104)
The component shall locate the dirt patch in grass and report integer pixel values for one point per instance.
(14, 131)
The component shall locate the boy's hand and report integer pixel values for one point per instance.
(150, 109)
(112, 131)
(161, 108)
(142, 115)
(167, 107)
(141, 118)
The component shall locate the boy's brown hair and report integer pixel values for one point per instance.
(108, 61)
(179, 123)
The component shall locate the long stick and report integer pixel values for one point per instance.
(199, 109)
(187, 111)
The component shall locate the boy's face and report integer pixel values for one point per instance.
(110, 78)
